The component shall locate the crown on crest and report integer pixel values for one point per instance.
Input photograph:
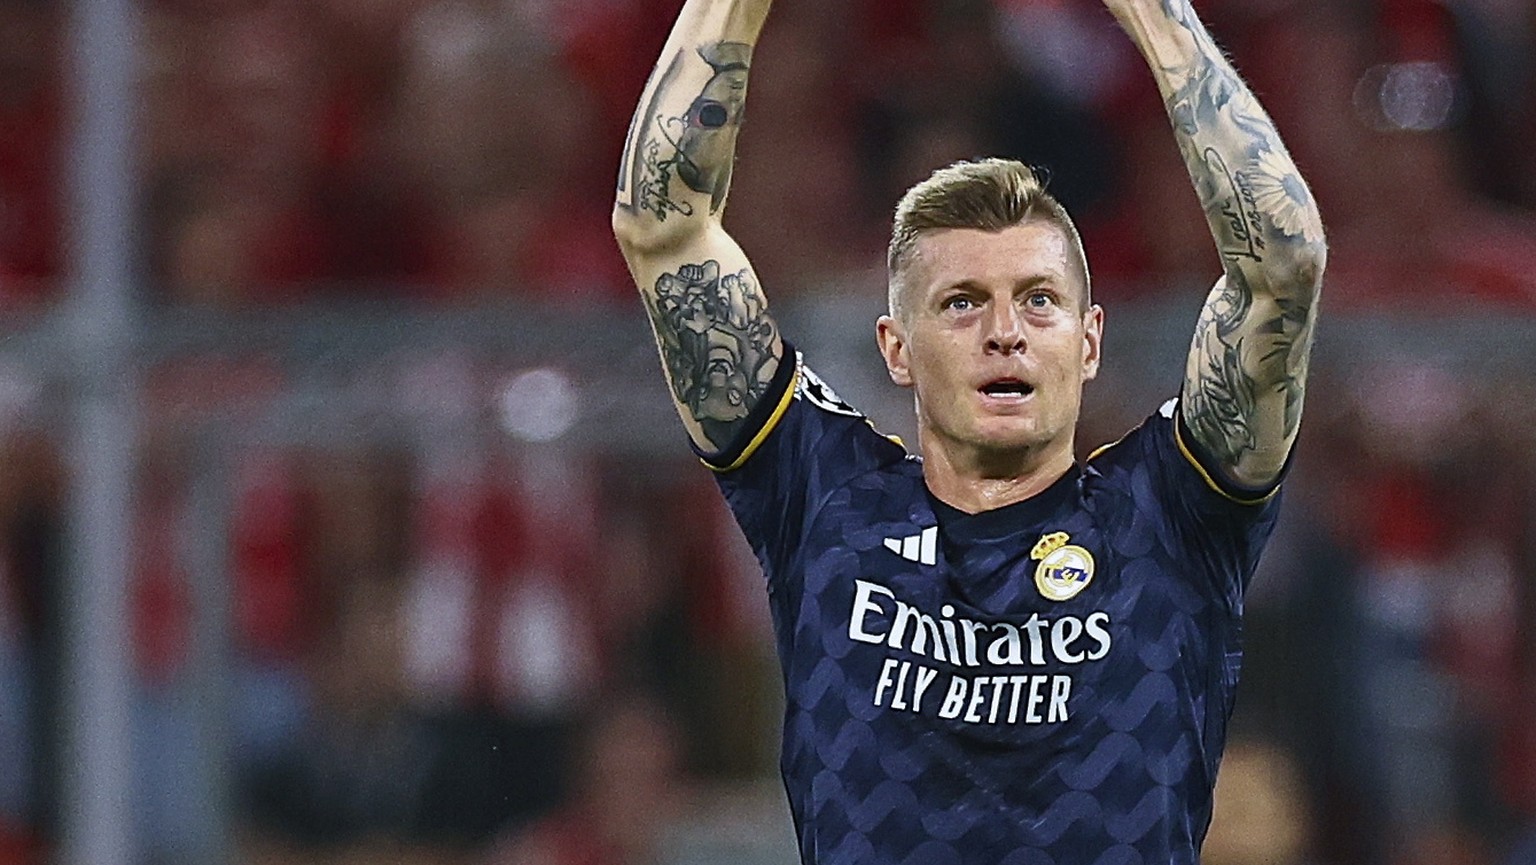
(1049, 544)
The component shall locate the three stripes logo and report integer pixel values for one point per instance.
(922, 548)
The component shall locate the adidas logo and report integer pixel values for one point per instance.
(921, 548)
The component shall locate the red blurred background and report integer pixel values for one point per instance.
(470, 621)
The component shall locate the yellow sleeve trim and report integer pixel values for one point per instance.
(773, 420)
(1104, 447)
(1178, 438)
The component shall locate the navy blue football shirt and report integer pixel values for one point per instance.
(1047, 683)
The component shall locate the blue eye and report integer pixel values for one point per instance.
(958, 302)
(1039, 301)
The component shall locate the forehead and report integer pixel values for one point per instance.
(1019, 253)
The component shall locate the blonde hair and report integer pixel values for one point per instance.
(986, 194)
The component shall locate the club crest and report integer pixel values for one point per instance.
(1064, 570)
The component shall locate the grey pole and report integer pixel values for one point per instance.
(206, 549)
(96, 813)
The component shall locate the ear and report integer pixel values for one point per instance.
(893, 347)
(1093, 340)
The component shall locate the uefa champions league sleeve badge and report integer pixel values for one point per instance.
(1064, 570)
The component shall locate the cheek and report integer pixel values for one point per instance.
(935, 371)
(940, 347)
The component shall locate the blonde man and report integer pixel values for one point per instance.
(993, 653)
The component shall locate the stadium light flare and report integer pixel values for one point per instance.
(1407, 97)
(538, 405)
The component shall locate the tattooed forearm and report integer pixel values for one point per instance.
(719, 347)
(1244, 233)
(1246, 353)
(717, 344)
(693, 141)
(1290, 350)
(1246, 180)
(1247, 373)
(707, 147)
(1218, 411)
(676, 167)
(1247, 368)
(645, 175)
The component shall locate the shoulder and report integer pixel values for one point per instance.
(1137, 447)
(804, 419)
(1164, 448)
(1152, 489)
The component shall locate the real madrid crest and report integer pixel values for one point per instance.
(1064, 570)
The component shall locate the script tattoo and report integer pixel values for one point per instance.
(716, 342)
(655, 186)
(698, 146)
(1214, 114)
(1249, 358)
(1237, 210)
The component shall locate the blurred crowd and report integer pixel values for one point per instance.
(464, 149)
(459, 647)
(452, 650)
(1391, 663)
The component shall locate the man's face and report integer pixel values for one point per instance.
(995, 338)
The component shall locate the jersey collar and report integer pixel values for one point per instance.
(1007, 520)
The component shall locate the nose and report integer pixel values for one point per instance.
(1005, 330)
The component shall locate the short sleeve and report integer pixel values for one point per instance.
(1218, 528)
(803, 443)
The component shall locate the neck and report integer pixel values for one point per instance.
(975, 480)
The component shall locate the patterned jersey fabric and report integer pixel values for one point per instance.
(1041, 684)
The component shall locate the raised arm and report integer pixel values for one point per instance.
(719, 347)
(1247, 368)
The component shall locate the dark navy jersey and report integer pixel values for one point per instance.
(1047, 683)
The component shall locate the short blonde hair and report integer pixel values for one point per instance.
(985, 194)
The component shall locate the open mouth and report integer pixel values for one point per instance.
(1007, 387)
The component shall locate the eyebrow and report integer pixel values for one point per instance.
(1052, 280)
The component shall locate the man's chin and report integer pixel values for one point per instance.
(1009, 433)
(995, 437)
(998, 441)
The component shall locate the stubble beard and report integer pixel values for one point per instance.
(1011, 452)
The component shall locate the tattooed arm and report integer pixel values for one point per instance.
(1247, 368)
(719, 348)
